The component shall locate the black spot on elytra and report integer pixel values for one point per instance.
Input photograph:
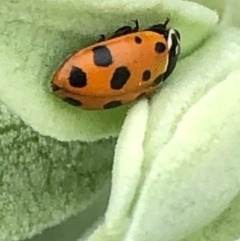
(72, 101)
(77, 77)
(120, 78)
(102, 56)
(146, 75)
(160, 47)
(141, 96)
(138, 40)
(55, 87)
(159, 79)
(112, 104)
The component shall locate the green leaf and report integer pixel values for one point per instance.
(190, 147)
(44, 181)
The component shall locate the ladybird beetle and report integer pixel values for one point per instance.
(118, 70)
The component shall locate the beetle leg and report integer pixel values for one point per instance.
(125, 30)
(101, 38)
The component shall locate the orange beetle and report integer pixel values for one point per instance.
(127, 66)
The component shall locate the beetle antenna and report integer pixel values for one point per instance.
(166, 22)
